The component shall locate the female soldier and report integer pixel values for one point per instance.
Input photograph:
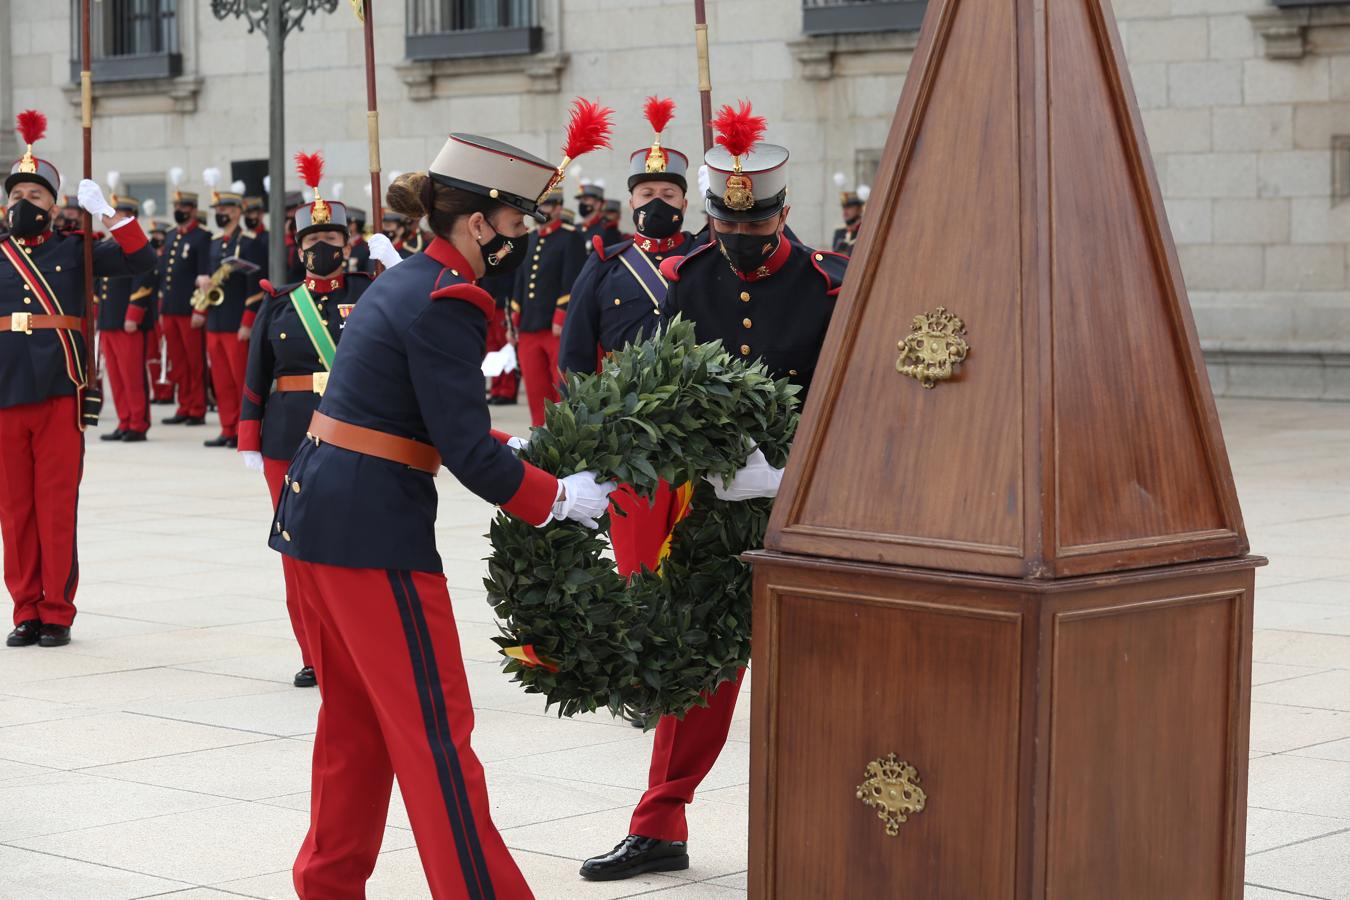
(357, 516)
(294, 338)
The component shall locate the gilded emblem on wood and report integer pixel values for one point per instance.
(934, 347)
(892, 789)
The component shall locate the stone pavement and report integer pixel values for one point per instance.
(164, 754)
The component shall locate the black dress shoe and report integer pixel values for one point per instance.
(503, 401)
(306, 677)
(195, 420)
(635, 855)
(25, 634)
(132, 437)
(219, 441)
(117, 435)
(54, 636)
(175, 419)
(233, 442)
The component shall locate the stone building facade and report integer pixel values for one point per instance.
(1246, 105)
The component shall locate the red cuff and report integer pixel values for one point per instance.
(533, 500)
(130, 238)
(501, 436)
(559, 315)
(250, 435)
(250, 314)
(135, 314)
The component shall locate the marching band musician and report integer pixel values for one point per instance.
(291, 352)
(43, 378)
(227, 332)
(766, 298)
(406, 396)
(186, 257)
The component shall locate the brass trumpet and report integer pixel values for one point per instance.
(215, 294)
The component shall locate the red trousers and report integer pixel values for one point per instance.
(156, 367)
(124, 360)
(538, 355)
(684, 750)
(229, 358)
(274, 472)
(41, 461)
(187, 364)
(506, 384)
(395, 702)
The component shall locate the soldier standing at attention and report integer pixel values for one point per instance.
(404, 398)
(553, 260)
(359, 260)
(187, 257)
(227, 334)
(42, 385)
(851, 202)
(294, 339)
(591, 212)
(768, 299)
(126, 316)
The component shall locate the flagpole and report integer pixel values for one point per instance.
(704, 70)
(92, 388)
(372, 120)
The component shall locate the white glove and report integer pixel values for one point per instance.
(91, 199)
(252, 460)
(383, 252)
(757, 479)
(517, 443)
(584, 500)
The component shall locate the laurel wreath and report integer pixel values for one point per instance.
(667, 409)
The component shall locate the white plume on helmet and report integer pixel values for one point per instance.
(149, 207)
(267, 184)
(211, 177)
(114, 180)
(237, 187)
(176, 176)
(864, 191)
(840, 179)
(704, 180)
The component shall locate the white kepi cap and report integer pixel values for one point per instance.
(494, 169)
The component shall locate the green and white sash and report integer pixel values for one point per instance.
(318, 333)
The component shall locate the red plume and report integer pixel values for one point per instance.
(659, 112)
(310, 167)
(32, 126)
(589, 129)
(738, 130)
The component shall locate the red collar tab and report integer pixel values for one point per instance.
(547, 229)
(594, 220)
(189, 226)
(658, 245)
(325, 285)
(36, 241)
(445, 253)
(771, 265)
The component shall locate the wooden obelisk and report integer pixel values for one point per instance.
(1028, 581)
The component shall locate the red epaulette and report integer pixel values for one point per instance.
(469, 293)
(670, 266)
(832, 267)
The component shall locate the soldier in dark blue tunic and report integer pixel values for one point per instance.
(126, 317)
(765, 298)
(357, 516)
(43, 379)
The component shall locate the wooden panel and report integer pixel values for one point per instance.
(1128, 434)
(1147, 740)
(939, 465)
(856, 677)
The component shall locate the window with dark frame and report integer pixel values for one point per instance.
(129, 40)
(850, 16)
(446, 29)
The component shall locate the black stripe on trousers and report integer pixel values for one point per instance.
(426, 676)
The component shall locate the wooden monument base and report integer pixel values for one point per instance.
(1076, 738)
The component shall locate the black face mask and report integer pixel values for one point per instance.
(657, 219)
(253, 222)
(27, 219)
(157, 241)
(181, 216)
(222, 220)
(502, 254)
(851, 220)
(586, 209)
(747, 252)
(323, 259)
(65, 225)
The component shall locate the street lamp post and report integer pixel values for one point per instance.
(276, 19)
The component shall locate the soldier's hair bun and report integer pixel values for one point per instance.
(407, 194)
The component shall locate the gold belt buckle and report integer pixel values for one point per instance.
(22, 321)
(320, 382)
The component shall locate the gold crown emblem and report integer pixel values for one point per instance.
(657, 159)
(28, 165)
(322, 214)
(739, 195)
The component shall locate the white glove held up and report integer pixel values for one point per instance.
(757, 479)
(252, 460)
(382, 249)
(585, 500)
(90, 196)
